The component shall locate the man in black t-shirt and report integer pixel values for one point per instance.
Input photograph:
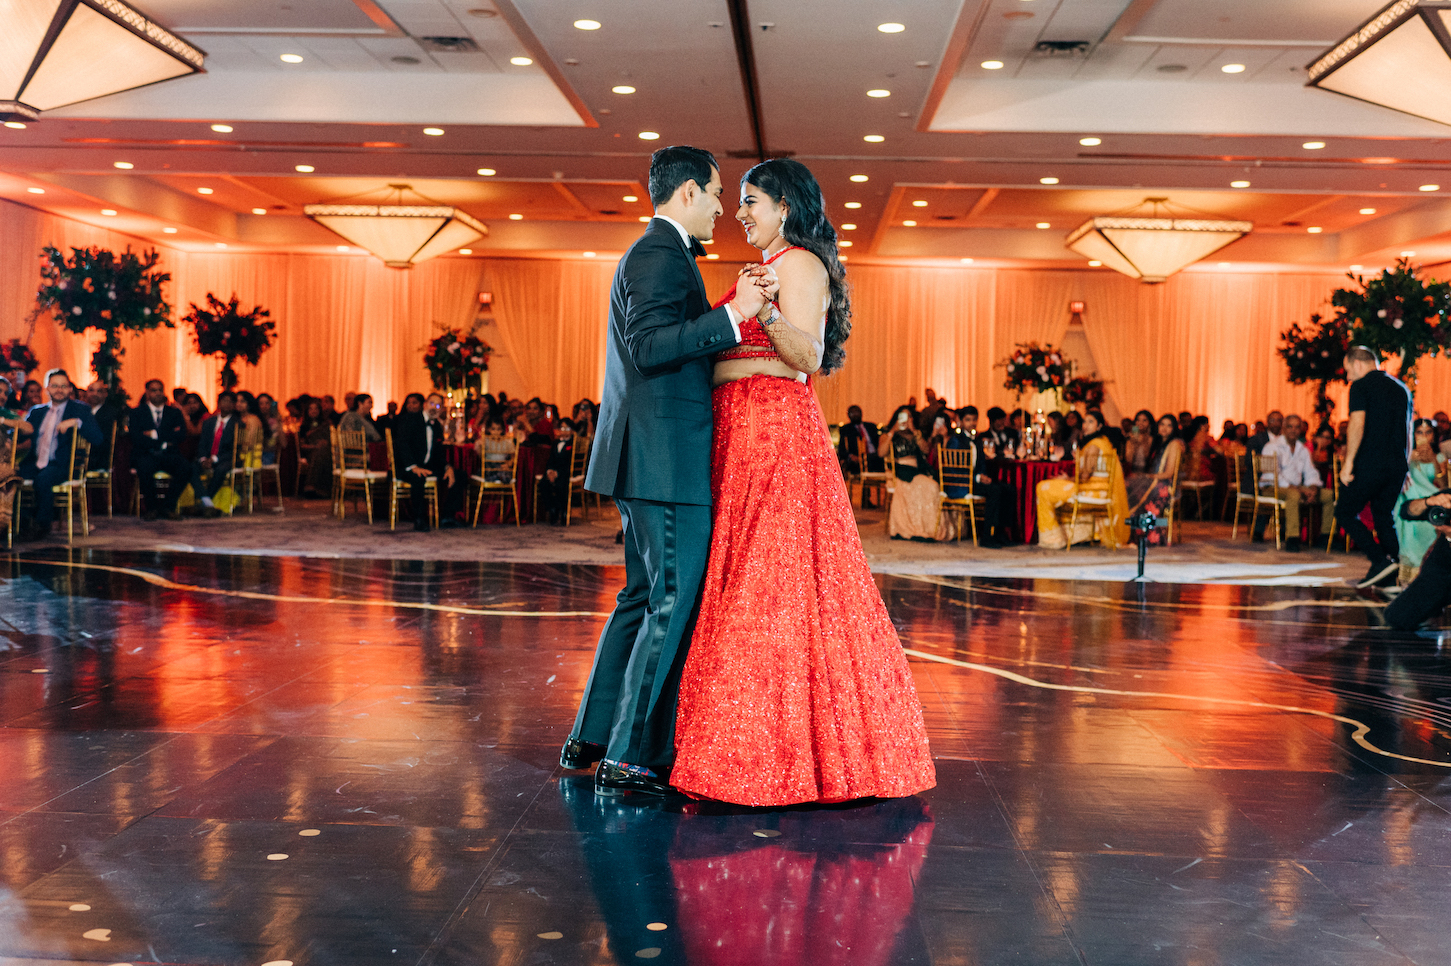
(1377, 451)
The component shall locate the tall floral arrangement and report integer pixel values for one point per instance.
(98, 289)
(15, 354)
(223, 329)
(1316, 353)
(1034, 368)
(454, 358)
(1398, 312)
(1085, 389)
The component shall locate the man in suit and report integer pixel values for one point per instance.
(418, 452)
(554, 488)
(1000, 439)
(107, 412)
(48, 463)
(852, 431)
(213, 464)
(652, 455)
(157, 431)
(1274, 426)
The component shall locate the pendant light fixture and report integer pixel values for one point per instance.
(401, 235)
(59, 52)
(1155, 244)
(1400, 58)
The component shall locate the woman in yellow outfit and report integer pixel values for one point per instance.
(1089, 482)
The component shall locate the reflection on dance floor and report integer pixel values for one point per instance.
(246, 760)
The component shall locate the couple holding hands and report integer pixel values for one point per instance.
(749, 658)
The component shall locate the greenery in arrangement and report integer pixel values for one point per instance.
(1035, 368)
(454, 358)
(222, 329)
(98, 289)
(1396, 313)
(17, 355)
(1085, 389)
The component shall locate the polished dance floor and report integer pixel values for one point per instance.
(246, 760)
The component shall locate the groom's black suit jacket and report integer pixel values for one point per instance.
(654, 434)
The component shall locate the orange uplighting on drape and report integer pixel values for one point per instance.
(1202, 341)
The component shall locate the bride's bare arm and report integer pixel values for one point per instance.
(803, 297)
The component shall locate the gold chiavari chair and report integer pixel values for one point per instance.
(958, 468)
(353, 473)
(100, 479)
(398, 487)
(72, 492)
(866, 478)
(1245, 487)
(1274, 501)
(1090, 505)
(503, 487)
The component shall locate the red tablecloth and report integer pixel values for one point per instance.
(1025, 475)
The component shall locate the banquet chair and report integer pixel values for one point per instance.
(1176, 505)
(1197, 487)
(958, 467)
(889, 487)
(578, 466)
(101, 479)
(254, 468)
(1090, 506)
(163, 482)
(1335, 482)
(301, 462)
(72, 492)
(503, 490)
(1273, 501)
(1245, 490)
(352, 472)
(398, 487)
(867, 479)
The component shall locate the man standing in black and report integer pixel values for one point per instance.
(652, 455)
(1377, 454)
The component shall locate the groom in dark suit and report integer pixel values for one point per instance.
(652, 454)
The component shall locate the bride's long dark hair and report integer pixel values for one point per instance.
(792, 184)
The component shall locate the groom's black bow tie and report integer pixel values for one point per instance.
(697, 250)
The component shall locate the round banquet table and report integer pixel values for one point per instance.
(1025, 475)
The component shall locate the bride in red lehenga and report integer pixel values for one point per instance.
(795, 688)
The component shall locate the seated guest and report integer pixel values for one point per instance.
(387, 420)
(1098, 474)
(1424, 479)
(107, 413)
(1156, 480)
(271, 427)
(32, 395)
(1185, 418)
(178, 396)
(534, 425)
(927, 418)
(999, 499)
(211, 469)
(249, 424)
(359, 419)
(1002, 442)
(48, 463)
(1018, 423)
(293, 414)
(12, 428)
(1322, 452)
(914, 511)
(967, 420)
(496, 452)
(554, 488)
(329, 409)
(1299, 483)
(1227, 430)
(157, 432)
(194, 412)
(1198, 448)
(1137, 447)
(585, 415)
(15, 378)
(856, 435)
(1072, 430)
(314, 441)
(1270, 429)
(418, 451)
(348, 399)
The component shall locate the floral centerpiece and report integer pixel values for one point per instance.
(1316, 353)
(1397, 312)
(454, 358)
(1034, 368)
(1085, 389)
(98, 289)
(17, 355)
(222, 329)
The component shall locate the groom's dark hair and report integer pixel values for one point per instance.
(673, 166)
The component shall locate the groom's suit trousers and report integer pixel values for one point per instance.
(629, 701)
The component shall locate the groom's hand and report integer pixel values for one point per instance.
(750, 296)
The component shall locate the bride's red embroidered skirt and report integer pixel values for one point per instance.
(795, 688)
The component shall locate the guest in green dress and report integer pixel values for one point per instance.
(1427, 466)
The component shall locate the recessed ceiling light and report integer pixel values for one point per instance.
(588, 254)
(465, 251)
(873, 138)
(848, 227)
(1430, 187)
(1224, 264)
(858, 178)
(15, 125)
(1044, 224)
(520, 61)
(1357, 268)
(1090, 142)
(712, 257)
(852, 204)
(630, 198)
(843, 258)
(1408, 254)
(1315, 230)
(487, 172)
(108, 211)
(843, 244)
(919, 204)
(1239, 184)
(649, 136)
(623, 89)
(36, 191)
(643, 218)
(1047, 180)
(1367, 211)
(291, 58)
(342, 248)
(433, 131)
(222, 128)
(1313, 145)
(891, 28)
(221, 244)
(168, 231)
(1233, 68)
(879, 92)
(1095, 263)
(204, 191)
(123, 165)
(305, 168)
(965, 261)
(259, 211)
(587, 24)
(992, 65)
(909, 223)
(516, 217)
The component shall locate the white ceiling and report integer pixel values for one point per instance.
(370, 80)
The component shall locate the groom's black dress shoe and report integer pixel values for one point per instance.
(578, 753)
(613, 780)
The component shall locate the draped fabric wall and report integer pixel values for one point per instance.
(1203, 341)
